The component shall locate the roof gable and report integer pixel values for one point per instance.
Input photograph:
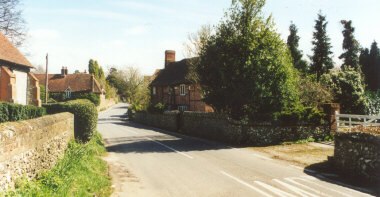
(9, 54)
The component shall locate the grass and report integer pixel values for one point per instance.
(79, 173)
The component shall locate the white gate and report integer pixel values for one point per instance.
(345, 122)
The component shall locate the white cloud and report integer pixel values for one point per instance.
(136, 30)
(44, 34)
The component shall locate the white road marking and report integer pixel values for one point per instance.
(304, 186)
(274, 190)
(246, 184)
(324, 187)
(296, 167)
(262, 157)
(168, 147)
(311, 171)
(295, 189)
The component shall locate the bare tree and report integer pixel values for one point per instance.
(39, 70)
(11, 22)
(197, 40)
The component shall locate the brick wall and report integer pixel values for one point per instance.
(7, 85)
(30, 146)
(358, 154)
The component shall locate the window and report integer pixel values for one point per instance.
(182, 108)
(154, 91)
(68, 93)
(182, 90)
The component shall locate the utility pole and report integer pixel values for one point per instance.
(47, 79)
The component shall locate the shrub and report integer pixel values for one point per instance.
(300, 115)
(85, 117)
(158, 108)
(13, 112)
(373, 102)
(61, 97)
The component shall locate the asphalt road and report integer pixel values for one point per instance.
(145, 161)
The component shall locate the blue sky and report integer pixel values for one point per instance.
(136, 33)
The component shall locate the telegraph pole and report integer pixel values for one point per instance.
(47, 79)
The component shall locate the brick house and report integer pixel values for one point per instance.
(171, 87)
(17, 84)
(69, 84)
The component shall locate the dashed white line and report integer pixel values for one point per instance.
(246, 184)
(274, 190)
(295, 189)
(262, 157)
(168, 147)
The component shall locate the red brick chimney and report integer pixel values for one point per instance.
(169, 57)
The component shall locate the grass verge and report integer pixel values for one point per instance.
(81, 172)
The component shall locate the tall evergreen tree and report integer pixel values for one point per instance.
(293, 43)
(321, 60)
(370, 64)
(93, 68)
(350, 46)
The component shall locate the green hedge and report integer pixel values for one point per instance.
(10, 112)
(61, 97)
(85, 117)
(300, 115)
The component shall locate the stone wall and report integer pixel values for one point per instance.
(105, 103)
(30, 146)
(168, 120)
(220, 128)
(358, 154)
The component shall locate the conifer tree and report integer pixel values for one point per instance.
(293, 43)
(350, 46)
(321, 61)
(370, 64)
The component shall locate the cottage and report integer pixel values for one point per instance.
(70, 84)
(17, 84)
(171, 86)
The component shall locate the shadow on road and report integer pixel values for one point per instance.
(326, 171)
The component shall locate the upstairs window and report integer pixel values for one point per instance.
(68, 93)
(154, 91)
(182, 90)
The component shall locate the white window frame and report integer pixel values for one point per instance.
(182, 90)
(68, 93)
(154, 90)
(183, 108)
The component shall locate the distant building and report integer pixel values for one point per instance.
(171, 87)
(17, 83)
(70, 84)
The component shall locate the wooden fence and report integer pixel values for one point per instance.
(345, 122)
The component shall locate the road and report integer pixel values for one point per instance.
(145, 161)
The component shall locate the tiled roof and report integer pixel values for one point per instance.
(76, 82)
(175, 73)
(10, 54)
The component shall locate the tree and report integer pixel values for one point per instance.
(350, 46)
(293, 43)
(321, 60)
(11, 22)
(76, 72)
(93, 68)
(369, 60)
(348, 88)
(40, 70)
(245, 68)
(101, 75)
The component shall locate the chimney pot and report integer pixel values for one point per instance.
(169, 57)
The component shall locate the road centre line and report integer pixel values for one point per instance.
(274, 189)
(245, 184)
(168, 147)
(262, 157)
(295, 189)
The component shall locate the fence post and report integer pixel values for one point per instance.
(365, 122)
(337, 120)
(350, 124)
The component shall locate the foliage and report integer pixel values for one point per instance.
(348, 88)
(79, 173)
(61, 97)
(12, 23)
(373, 102)
(293, 43)
(312, 93)
(350, 45)
(111, 92)
(158, 108)
(115, 79)
(300, 115)
(321, 61)
(93, 68)
(245, 69)
(370, 64)
(85, 117)
(43, 93)
(10, 112)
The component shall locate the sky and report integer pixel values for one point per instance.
(120, 33)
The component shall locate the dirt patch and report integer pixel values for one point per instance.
(300, 154)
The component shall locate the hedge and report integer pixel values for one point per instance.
(61, 97)
(85, 117)
(10, 112)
